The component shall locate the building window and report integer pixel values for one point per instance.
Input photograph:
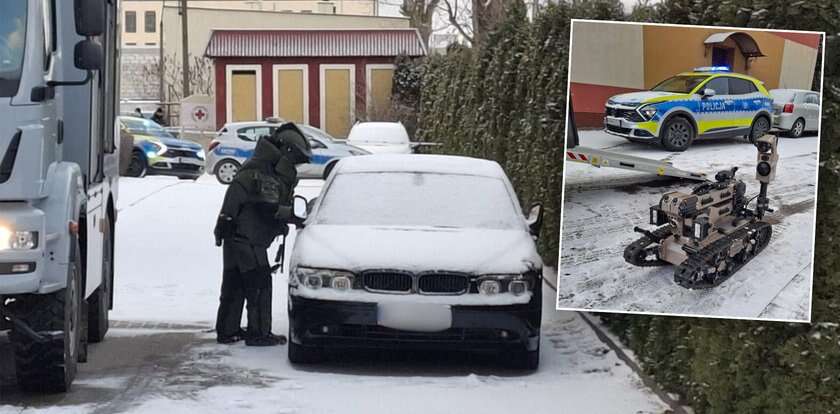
(130, 22)
(150, 22)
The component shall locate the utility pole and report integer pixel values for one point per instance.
(185, 48)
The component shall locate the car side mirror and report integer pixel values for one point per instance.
(708, 93)
(87, 55)
(90, 17)
(535, 219)
(300, 208)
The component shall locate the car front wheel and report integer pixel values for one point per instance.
(677, 134)
(226, 170)
(137, 165)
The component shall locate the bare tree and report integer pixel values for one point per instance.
(458, 15)
(486, 16)
(420, 14)
(201, 76)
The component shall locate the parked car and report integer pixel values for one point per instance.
(236, 141)
(796, 110)
(416, 251)
(709, 102)
(157, 152)
(380, 137)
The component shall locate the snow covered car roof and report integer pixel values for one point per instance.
(440, 164)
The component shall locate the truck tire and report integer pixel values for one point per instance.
(100, 301)
(50, 366)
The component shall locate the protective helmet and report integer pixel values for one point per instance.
(290, 140)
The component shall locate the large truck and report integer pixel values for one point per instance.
(58, 182)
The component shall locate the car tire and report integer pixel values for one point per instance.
(759, 127)
(226, 170)
(50, 366)
(798, 128)
(677, 134)
(137, 166)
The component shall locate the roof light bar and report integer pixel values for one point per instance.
(713, 69)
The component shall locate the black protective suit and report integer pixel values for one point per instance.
(257, 209)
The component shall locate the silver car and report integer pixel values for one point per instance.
(796, 110)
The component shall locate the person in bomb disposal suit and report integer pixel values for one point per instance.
(256, 210)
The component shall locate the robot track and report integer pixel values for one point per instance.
(713, 264)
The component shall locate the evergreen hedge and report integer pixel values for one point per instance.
(506, 101)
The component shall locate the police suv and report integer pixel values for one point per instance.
(708, 102)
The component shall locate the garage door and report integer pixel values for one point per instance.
(243, 95)
(290, 90)
(337, 105)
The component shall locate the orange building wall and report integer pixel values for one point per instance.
(671, 50)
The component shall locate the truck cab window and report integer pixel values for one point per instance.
(12, 44)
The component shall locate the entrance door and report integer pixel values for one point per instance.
(290, 93)
(723, 56)
(337, 99)
(244, 87)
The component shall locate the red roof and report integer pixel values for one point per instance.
(314, 43)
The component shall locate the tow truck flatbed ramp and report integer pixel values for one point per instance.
(600, 158)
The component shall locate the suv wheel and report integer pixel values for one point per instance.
(137, 165)
(759, 127)
(226, 170)
(677, 134)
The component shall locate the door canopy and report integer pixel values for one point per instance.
(746, 43)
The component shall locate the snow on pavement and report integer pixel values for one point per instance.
(168, 275)
(602, 206)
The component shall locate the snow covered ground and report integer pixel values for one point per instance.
(161, 356)
(602, 206)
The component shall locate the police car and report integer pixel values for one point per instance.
(708, 102)
(236, 141)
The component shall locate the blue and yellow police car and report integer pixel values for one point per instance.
(708, 102)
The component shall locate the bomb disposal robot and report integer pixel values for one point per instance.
(710, 233)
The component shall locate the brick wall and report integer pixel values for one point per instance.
(135, 84)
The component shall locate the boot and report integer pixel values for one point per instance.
(267, 340)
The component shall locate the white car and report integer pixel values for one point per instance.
(380, 137)
(796, 110)
(416, 251)
(236, 141)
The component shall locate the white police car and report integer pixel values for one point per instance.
(236, 141)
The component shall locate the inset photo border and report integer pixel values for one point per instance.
(690, 175)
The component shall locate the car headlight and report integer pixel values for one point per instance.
(324, 278)
(17, 240)
(155, 150)
(201, 154)
(357, 152)
(648, 111)
(516, 285)
(489, 287)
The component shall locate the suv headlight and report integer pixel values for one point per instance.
(324, 278)
(17, 240)
(516, 285)
(648, 111)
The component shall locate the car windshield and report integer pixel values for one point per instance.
(12, 42)
(145, 127)
(680, 84)
(418, 200)
(782, 95)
